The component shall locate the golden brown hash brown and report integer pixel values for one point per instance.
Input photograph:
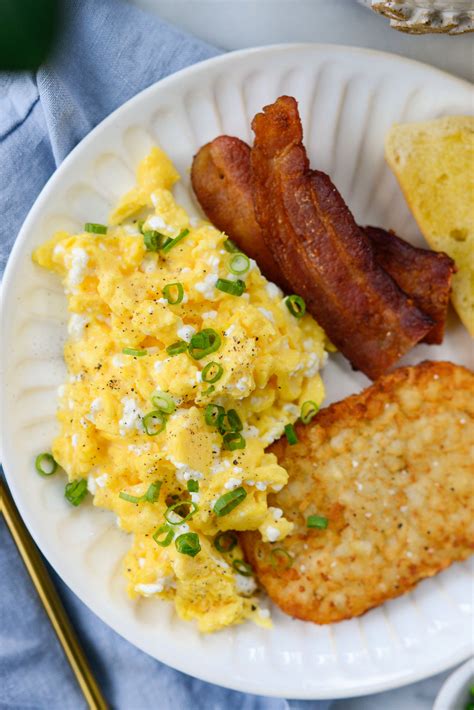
(392, 470)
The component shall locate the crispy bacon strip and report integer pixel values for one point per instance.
(221, 178)
(317, 245)
(422, 274)
(222, 182)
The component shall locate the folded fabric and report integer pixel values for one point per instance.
(108, 52)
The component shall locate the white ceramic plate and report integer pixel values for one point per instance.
(348, 99)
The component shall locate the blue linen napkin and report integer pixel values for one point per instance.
(108, 52)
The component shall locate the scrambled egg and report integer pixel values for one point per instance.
(164, 476)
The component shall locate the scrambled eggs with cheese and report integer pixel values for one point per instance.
(184, 364)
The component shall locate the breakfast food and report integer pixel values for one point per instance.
(433, 162)
(222, 181)
(423, 275)
(316, 243)
(379, 492)
(184, 364)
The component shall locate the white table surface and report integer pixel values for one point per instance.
(235, 24)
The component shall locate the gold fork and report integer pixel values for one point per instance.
(51, 601)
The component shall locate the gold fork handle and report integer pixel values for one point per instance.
(51, 601)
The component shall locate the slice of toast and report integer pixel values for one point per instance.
(391, 470)
(434, 164)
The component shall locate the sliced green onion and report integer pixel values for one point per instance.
(188, 544)
(46, 464)
(233, 441)
(291, 434)
(225, 541)
(242, 568)
(150, 496)
(163, 401)
(212, 372)
(309, 410)
(94, 228)
(193, 510)
(235, 288)
(152, 239)
(168, 535)
(296, 306)
(239, 264)
(230, 246)
(204, 343)
(209, 391)
(168, 245)
(192, 486)
(284, 555)
(317, 521)
(154, 422)
(234, 420)
(177, 297)
(226, 503)
(229, 422)
(177, 348)
(76, 491)
(212, 413)
(129, 498)
(134, 352)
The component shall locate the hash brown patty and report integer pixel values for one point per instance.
(392, 470)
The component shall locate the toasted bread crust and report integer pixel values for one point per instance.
(392, 470)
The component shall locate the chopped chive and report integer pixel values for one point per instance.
(94, 228)
(46, 464)
(163, 401)
(284, 555)
(174, 298)
(317, 521)
(239, 264)
(192, 486)
(204, 343)
(226, 503)
(129, 498)
(229, 422)
(296, 306)
(168, 537)
(134, 352)
(230, 246)
(193, 509)
(177, 348)
(188, 544)
(233, 441)
(212, 413)
(212, 372)
(76, 491)
(291, 434)
(309, 409)
(152, 239)
(242, 568)
(150, 496)
(235, 288)
(170, 243)
(225, 541)
(154, 422)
